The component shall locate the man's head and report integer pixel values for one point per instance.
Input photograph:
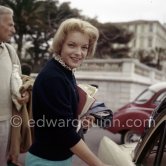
(6, 24)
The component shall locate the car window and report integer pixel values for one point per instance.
(155, 148)
(160, 98)
(144, 97)
(149, 159)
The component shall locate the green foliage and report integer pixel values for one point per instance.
(152, 58)
(111, 34)
(36, 22)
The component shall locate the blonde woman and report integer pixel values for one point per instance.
(55, 99)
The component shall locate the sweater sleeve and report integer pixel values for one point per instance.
(57, 99)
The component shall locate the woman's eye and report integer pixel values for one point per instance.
(71, 45)
(85, 48)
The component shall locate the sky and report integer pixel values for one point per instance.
(121, 10)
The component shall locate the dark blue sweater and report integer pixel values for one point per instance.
(54, 105)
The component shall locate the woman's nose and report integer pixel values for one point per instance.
(78, 51)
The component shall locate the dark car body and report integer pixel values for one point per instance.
(149, 151)
(131, 119)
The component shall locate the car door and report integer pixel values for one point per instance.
(151, 151)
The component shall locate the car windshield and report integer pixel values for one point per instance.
(144, 97)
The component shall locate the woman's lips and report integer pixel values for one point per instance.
(75, 59)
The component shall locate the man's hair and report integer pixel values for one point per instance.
(5, 10)
(72, 25)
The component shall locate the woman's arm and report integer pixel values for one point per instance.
(84, 153)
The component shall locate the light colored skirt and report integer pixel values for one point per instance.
(32, 160)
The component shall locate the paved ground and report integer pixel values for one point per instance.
(92, 138)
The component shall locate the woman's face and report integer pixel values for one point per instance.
(75, 49)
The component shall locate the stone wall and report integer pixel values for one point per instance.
(119, 81)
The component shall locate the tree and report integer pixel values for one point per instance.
(160, 55)
(152, 58)
(26, 15)
(144, 56)
(36, 22)
(40, 37)
(111, 34)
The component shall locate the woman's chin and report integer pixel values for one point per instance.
(75, 65)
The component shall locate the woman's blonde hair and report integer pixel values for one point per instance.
(75, 24)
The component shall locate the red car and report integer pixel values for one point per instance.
(131, 119)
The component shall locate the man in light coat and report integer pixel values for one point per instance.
(6, 63)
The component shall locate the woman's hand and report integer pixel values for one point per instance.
(87, 122)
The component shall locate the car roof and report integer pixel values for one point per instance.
(158, 86)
